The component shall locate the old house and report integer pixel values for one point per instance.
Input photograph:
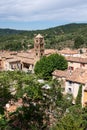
(76, 62)
(68, 52)
(72, 81)
(8, 62)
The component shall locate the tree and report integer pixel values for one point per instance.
(71, 120)
(31, 115)
(84, 118)
(47, 65)
(5, 94)
(79, 96)
(78, 42)
(38, 105)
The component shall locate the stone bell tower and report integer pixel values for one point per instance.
(39, 46)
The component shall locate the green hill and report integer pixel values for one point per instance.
(56, 37)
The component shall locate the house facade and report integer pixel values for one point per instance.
(68, 52)
(76, 62)
(72, 81)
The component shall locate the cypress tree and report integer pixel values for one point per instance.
(79, 96)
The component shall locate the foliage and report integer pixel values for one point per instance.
(58, 37)
(37, 103)
(78, 42)
(40, 107)
(5, 95)
(30, 115)
(79, 96)
(46, 65)
(84, 118)
(71, 120)
(73, 123)
(3, 122)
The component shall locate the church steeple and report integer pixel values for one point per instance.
(39, 46)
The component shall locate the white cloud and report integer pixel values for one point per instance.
(26, 10)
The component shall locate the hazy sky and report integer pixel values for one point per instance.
(41, 14)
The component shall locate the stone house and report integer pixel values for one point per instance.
(12, 64)
(72, 81)
(68, 52)
(76, 62)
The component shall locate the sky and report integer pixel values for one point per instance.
(41, 14)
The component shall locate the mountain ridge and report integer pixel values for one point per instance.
(10, 31)
(57, 37)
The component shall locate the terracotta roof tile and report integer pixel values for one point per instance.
(26, 55)
(13, 60)
(79, 75)
(60, 73)
(28, 61)
(77, 59)
(68, 51)
(50, 51)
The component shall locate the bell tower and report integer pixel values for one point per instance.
(39, 46)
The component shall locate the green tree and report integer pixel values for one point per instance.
(5, 94)
(79, 96)
(84, 118)
(38, 104)
(71, 120)
(47, 65)
(78, 42)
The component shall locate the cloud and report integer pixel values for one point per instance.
(39, 10)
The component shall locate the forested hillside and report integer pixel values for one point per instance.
(27, 104)
(70, 35)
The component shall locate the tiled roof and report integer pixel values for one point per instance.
(14, 106)
(60, 73)
(79, 75)
(26, 55)
(77, 59)
(6, 55)
(68, 51)
(50, 51)
(27, 61)
(12, 60)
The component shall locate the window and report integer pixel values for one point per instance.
(41, 40)
(12, 67)
(41, 46)
(37, 47)
(71, 68)
(82, 65)
(41, 54)
(36, 40)
(70, 83)
(0, 63)
(26, 65)
(36, 54)
(69, 90)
